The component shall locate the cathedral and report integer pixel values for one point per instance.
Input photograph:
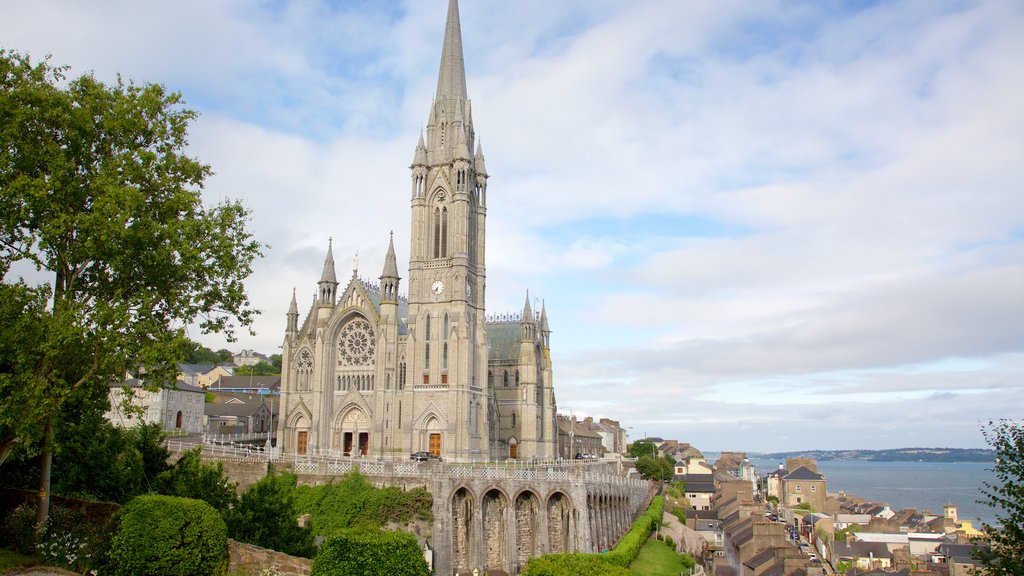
(369, 372)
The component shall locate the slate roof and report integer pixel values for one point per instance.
(700, 486)
(236, 405)
(269, 382)
(503, 340)
(195, 368)
(743, 536)
(858, 549)
(176, 385)
(803, 473)
(766, 555)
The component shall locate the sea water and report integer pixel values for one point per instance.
(921, 485)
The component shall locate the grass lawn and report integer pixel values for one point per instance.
(656, 559)
(11, 559)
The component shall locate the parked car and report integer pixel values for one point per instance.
(423, 456)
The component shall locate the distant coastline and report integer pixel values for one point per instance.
(891, 455)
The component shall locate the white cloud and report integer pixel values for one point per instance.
(855, 172)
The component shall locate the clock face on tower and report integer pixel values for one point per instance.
(437, 287)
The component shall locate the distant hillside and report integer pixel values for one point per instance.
(894, 455)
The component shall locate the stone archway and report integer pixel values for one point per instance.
(528, 543)
(462, 526)
(351, 433)
(495, 511)
(559, 512)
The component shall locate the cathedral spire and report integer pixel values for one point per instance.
(451, 80)
(389, 277)
(328, 280)
(420, 156)
(479, 160)
(328, 274)
(293, 316)
(527, 311)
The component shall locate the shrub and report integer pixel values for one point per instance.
(168, 536)
(572, 565)
(190, 477)
(688, 561)
(352, 502)
(370, 553)
(670, 542)
(73, 541)
(265, 516)
(19, 529)
(630, 545)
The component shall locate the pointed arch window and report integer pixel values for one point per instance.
(513, 418)
(517, 378)
(504, 379)
(401, 375)
(444, 357)
(426, 357)
(445, 336)
(427, 329)
(444, 233)
(437, 232)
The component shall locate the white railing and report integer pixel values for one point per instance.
(333, 464)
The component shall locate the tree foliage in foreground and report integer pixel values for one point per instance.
(655, 467)
(370, 552)
(93, 459)
(98, 194)
(1006, 497)
(265, 516)
(191, 477)
(352, 502)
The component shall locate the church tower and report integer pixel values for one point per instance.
(447, 340)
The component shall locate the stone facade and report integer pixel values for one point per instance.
(178, 409)
(369, 372)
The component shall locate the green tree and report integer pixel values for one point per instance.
(199, 354)
(258, 369)
(642, 448)
(190, 477)
(23, 328)
(265, 516)
(655, 468)
(98, 193)
(1005, 495)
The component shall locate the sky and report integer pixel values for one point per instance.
(756, 226)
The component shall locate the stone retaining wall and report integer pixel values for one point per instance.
(249, 560)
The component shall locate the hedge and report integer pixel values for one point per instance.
(617, 560)
(629, 547)
(370, 553)
(572, 564)
(168, 536)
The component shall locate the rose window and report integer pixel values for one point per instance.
(356, 344)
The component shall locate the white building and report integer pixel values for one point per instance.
(174, 409)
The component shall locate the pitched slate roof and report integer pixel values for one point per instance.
(762, 557)
(236, 405)
(803, 473)
(503, 340)
(176, 385)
